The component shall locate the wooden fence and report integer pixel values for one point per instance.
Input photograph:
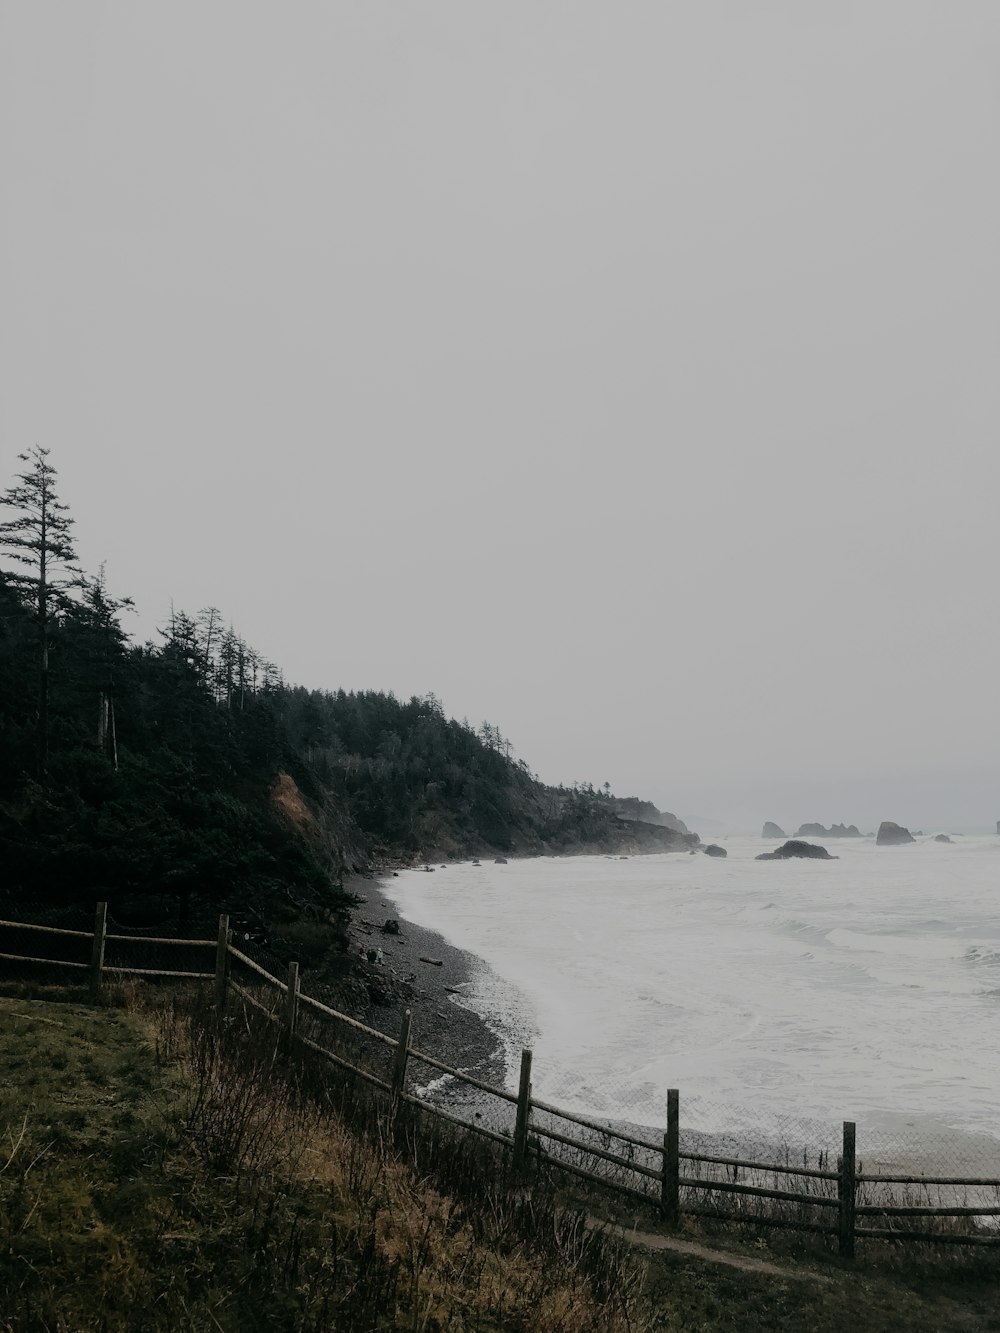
(840, 1203)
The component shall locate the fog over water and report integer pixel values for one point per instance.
(865, 988)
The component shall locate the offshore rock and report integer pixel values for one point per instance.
(892, 835)
(795, 848)
(772, 831)
(941, 837)
(713, 849)
(834, 831)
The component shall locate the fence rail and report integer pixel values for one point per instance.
(641, 1170)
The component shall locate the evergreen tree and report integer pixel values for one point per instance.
(103, 654)
(39, 538)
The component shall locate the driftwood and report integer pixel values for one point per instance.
(434, 962)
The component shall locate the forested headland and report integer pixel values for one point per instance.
(186, 774)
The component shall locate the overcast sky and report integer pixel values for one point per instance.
(624, 373)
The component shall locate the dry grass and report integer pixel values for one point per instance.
(157, 1174)
(161, 1176)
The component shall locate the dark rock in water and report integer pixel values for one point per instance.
(942, 837)
(891, 835)
(713, 849)
(500, 861)
(795, 848)
(834, 831)
(772, 831)
(391, 927)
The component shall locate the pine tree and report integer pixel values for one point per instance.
(209, 628)
(106, 653)
(39, 538)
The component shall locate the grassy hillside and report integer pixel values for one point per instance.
(152, 1177)
(155, 1177)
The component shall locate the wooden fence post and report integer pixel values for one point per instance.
(670, 1187)
(292, 1000)
(221, 965)
(97, 955)
(846, 1190)
(399, 1065)
(523, 1113)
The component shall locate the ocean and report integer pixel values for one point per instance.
(794, 994)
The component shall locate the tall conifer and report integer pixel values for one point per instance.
(39, 538)
(103, 653)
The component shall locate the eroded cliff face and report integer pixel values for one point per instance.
(549, 821)
(634, 838)
(290, 801)
(329, 830)
(635, 808)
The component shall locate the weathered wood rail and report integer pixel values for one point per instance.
(650, 1172)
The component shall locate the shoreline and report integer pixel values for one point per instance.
(444, 1028)
(440, 1024)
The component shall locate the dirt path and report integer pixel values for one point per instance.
(747, 1263)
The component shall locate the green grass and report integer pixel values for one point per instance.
(83, 1145)
(696, 1297)
(889, 1289)
(146, 1183)
(154, 1177)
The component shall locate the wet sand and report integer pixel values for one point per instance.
(440, 1025)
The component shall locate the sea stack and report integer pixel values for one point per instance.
(796, 848)
(892, 835)
(834, 831)
(773, 831)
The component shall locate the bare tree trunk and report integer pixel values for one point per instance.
(43, 644)
(114, 737)
(43, 709)
(102, 722)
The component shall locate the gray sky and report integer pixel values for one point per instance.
(623, 373)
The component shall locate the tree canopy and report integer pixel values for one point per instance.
(188, 770)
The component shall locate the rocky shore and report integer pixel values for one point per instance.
(431, 990)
